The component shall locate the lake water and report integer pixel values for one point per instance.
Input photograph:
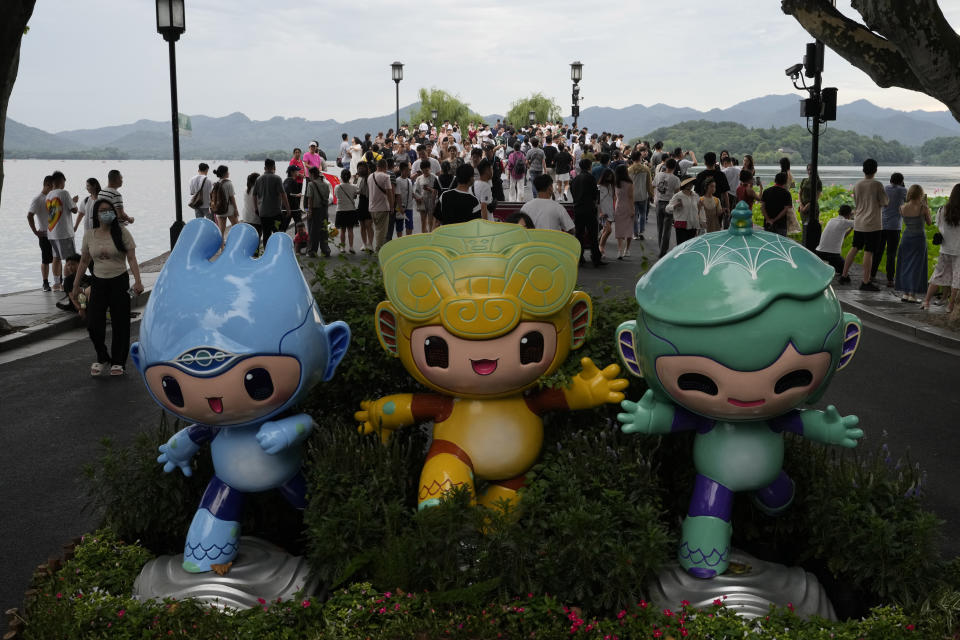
(148, 196)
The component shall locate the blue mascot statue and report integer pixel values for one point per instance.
(231, 344)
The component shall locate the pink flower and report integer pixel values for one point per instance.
(121, 612)
(910, 627)
(642, 604)
(790, 606)
(657, 633)
(667, 612)
(718, 602)
(261, 601)
(622, 613)
(383, 610)
(59, 595)
(388, 594)
(305, 604)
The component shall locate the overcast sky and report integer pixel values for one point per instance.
(101, 62)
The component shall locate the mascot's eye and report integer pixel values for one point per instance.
(531, 347)
(436, 352)
(798, 378)
(697, 382)
(172, 389)
(258, 383)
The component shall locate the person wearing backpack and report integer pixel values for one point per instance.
(223, 201)
(317, 198)
(200, 188)
(517, 168)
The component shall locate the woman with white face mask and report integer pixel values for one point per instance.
(108, 248)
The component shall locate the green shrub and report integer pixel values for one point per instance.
(588, 528)
(135, 498)
(86, 611)
(862, 513)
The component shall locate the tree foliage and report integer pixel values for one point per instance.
(836, 145)
(547, 110)
(449, 107)
(941, 151)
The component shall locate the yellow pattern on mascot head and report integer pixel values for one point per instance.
(479, 312)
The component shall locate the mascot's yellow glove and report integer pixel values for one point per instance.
(593, 387)
(385, 415)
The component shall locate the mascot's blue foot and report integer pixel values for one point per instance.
(211, 543)
(705, 550)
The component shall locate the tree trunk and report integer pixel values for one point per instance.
(16, 13)
(903, 43)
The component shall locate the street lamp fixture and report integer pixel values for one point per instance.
(396, 70)
(532, 115)
(576, 74)
(433, 115)
(576, 71)
(171, 23)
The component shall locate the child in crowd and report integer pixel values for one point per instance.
(745, 191)
(831, 240)
(70, 265)
(301, 240)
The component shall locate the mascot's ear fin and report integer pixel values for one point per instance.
(626, 346)
(852, 330)
(386, 320)
(581, 315)
(338, 333)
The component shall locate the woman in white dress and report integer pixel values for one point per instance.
(356, 154)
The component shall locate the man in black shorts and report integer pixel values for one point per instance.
(870, 198)
(38, 209)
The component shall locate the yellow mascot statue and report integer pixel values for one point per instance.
(479, 312)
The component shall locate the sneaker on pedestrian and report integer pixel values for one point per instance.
(116, 370)
(96, 368)
(46, 286)
(57, 286)
(869, 286)
(843, 280)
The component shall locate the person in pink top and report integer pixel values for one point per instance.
(312, 158)
(297, 162)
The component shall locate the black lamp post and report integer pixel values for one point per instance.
(397, 70)
(576, 74)
(171, 22)
(532, 115)
(819, 108)
(433, 116)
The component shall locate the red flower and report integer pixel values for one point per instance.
(261, 601)
(305, 604)
(121, 612)
(667, 612)
(790, 606)
(684, 603)
(910, 627)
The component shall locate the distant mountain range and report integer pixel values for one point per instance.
(236, 135)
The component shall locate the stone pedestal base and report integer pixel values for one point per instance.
(261, 570)
(751, 586)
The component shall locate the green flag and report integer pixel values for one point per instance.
(186, 127)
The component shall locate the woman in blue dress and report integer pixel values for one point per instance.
(911, 274)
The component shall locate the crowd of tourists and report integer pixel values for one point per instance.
(448, 175)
